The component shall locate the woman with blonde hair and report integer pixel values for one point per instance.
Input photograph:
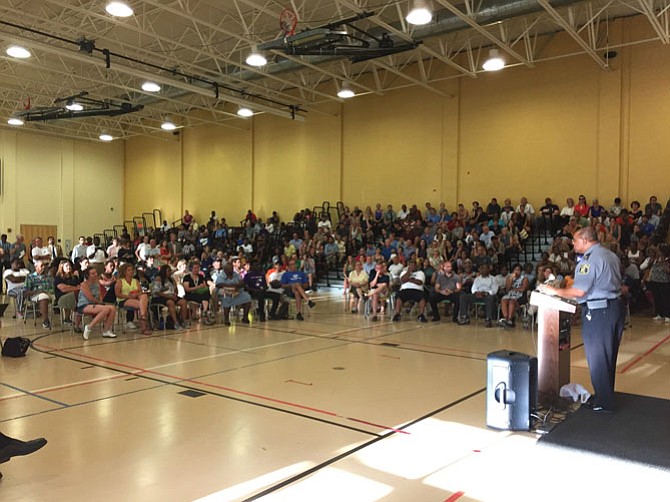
(129, 294)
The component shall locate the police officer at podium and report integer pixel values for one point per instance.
(597, 289)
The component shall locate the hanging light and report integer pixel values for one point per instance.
(15, 121)
(345, 92)
(16, 51)
(256, 58)
(74, 107)
(494, 62)
(244, 111)
(420, 13)
(105, 137)
(151, 87)
(118, 9)
(168, 126)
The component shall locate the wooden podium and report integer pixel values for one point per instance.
(553, 354)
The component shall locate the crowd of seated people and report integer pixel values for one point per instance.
(423, 257)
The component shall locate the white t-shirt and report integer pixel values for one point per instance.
(417, 274)
(13, 285)
(39, 253)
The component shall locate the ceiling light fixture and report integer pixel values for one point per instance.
(105, 137)
(256, 58)
(15, 121)
(494, 62)
(151, 87)
(244, 111)
(168, 126)
(16, 51)
(74, 107)
(420, 13)
(345, 92)
(118, 9)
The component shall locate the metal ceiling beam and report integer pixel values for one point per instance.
(120, 68)
(482, 31)
(571, 31)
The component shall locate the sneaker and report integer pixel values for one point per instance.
(488, 323)
(422, 318)
(130, 325)
(375, 318)
(396, 318)
(67, 323)
(311, 304)
(178, 327)
(46, 324)
(308, 290)
(463, 321)
(86, 333)
(299, 317)
(667, 319)
(108, 334)
(436, 318)
(502, 322)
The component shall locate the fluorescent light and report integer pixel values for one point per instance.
(151, 87)
(256, 58)
(494, 62)
(15, 121)
(74, 107)
(345, 93)
(16, 51)
(420, 14)
(119, 9)
(168, 126)
(105, 137)
(244, 111)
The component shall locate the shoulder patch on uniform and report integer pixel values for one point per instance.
(583, 269)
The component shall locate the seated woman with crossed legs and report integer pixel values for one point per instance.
(89, 302)
(516, 286)
(129, 294)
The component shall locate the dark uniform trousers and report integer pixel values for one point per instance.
(602, 330)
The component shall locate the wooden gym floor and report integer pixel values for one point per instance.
(334, 408)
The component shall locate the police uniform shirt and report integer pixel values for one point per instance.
(598, 275)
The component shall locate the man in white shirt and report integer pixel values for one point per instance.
(15, 278)
(80, 249)
(39, 252)
(395, 269)
(484, 289)
(411, 289)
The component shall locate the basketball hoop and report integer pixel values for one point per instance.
(288, 20)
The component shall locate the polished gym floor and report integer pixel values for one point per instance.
(335, 408)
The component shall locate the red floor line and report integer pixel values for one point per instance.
(220, 387)
(66, 386)
(640, 357)
(454, 497)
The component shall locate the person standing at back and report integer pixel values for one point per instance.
(597, 288)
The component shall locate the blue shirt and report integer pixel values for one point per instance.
(297, 277)
(598, 274)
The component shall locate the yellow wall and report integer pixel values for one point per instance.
(51, 181)
(559, 129)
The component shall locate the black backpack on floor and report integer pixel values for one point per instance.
(15, 347)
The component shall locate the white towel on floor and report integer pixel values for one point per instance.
(575, 391)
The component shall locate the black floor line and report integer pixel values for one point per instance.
(358, 448)
(212, 393)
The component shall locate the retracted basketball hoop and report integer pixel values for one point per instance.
(288, 20)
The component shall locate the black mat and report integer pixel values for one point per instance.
(639, 431)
